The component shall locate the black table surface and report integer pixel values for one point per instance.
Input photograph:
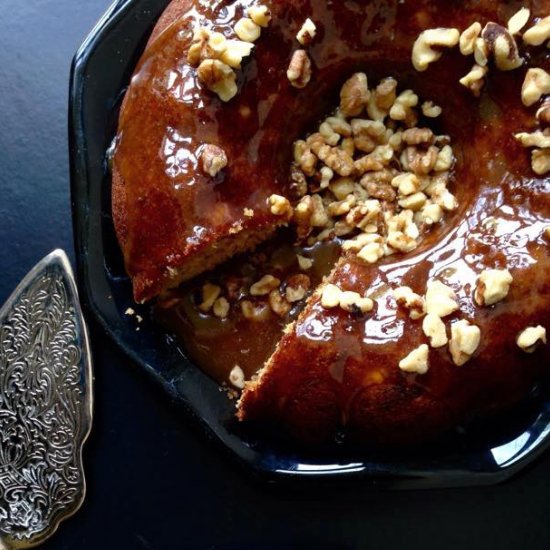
(154, 480)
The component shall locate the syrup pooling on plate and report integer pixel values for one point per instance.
(217, 344)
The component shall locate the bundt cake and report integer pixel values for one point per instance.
(378, 153)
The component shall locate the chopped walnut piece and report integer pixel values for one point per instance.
(465, 339)
(247, 30)
(385, 94)
(221, 308)
(378, 189)
(434, 329)
(210, 293)
(353, 302)
(278, 304)
(535, 85)
(406, 297)
(237, 378)
(248, 212)
(255, 312)
(493, 286)
(531, 337)
(403, 104)
(340, 125)
(468, 38)
(538, 33)
(402, 242)
(330, 297)
(418, 136)
(358, 242)
(503, 46)
(543, 113)
(417, 361)
(297, 287)
(429, 214)
(481, 52)
(441, 299)
(299, 71)
(534, 139)
(372, 252)
(213, 160)
(339, 161)
(261, 15)
(367, 134)
(431, 110)
(420, 161)
(219, 78)
(413, 202)
(445, 159)
(264, 286)
(518, 21)
(354, 95)
(304, 263)
(280, 206)
(307, 33)
(540, 161)
(475, 79)
(407, 183)
(327, 131)
(427, 47)
(235, 52)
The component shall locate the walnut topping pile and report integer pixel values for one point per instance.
(217, 58)
(371, 174)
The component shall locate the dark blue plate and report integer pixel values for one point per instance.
(487, 453)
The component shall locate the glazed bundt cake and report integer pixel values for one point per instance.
(397, 132)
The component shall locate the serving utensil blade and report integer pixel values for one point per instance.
(45, 404)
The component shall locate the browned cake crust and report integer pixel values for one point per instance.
(172, 227)
(334, 369)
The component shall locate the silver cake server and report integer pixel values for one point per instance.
(45, 404)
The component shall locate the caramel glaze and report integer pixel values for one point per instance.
(335, 370)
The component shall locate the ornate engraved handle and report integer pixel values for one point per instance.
(45, 404)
